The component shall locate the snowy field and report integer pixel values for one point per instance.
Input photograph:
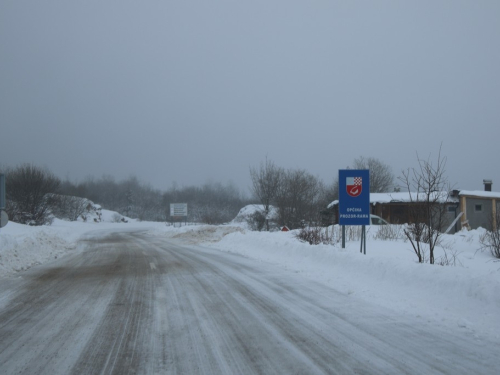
(464, 294)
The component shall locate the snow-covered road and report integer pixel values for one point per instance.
(135, 303)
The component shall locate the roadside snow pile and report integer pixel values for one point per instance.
(247, 211)
(22, 247)
(467, 294)
(250, 214)
(114, 217)
(204, 233)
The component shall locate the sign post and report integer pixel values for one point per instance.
(2, 191)
(354, 201)
(178, 211)
(4, 218)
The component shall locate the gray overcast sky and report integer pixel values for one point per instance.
(191, 91)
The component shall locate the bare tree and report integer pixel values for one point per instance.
(381, 177)
(330, 192)
(429, 190)
(211, 203)
(27, 187)
(299, 199)
(69, 207)
(266, 183)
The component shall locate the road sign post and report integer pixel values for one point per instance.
(354, 200)
(4, 218)
(178, 211)
(2, 191)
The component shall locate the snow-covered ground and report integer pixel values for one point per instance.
(22, 246)
(465, 294)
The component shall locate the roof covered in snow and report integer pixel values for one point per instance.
(394, 197)
(480, 193)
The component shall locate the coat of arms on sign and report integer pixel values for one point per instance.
(354, 186)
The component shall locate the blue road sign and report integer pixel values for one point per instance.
(354, 197)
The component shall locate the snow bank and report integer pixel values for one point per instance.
(246, 212)
(24, 246)
(467, 294)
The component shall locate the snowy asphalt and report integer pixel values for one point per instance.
(137, 304)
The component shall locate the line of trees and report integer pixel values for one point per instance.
(299, 197)
(35, 196)
(129, 197)
(211, 203)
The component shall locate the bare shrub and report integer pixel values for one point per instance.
(490, 240)
(390, 233)
(353, 232)
(428, 189)
(257, 220)
(450, 258)
(70, 208)
(313, 235)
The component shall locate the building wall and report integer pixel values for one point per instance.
(400, 213)
(478, 218)
(452, 211)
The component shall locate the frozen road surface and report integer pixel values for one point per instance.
(138, 304)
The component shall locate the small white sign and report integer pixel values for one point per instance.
(178, 209)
